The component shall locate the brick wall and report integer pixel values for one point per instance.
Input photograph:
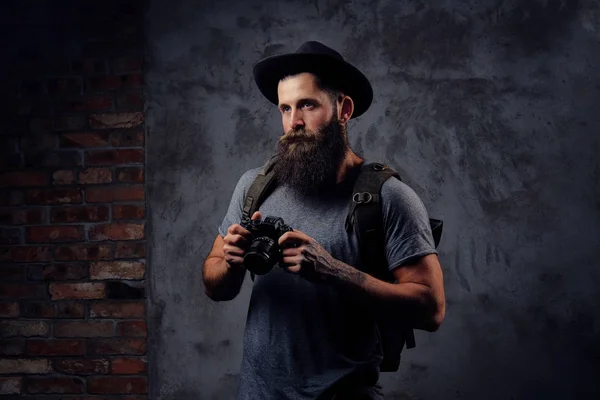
(72, 202)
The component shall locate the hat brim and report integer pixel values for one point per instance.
(269, 71)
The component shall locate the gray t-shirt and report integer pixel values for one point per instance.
(301, 337)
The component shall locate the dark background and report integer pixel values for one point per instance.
(490, 110)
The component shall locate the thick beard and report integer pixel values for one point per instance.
(308, 162)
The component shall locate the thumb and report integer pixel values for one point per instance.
(256, 215)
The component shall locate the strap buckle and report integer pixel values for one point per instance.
(362, 198)
(378, 167)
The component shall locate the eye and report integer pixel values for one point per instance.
(307, 104)
(285, 108)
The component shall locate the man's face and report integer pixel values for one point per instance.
(303, 104)
(314, 143)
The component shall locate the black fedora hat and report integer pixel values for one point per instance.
(321, 60)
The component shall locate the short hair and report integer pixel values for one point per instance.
(332, 91)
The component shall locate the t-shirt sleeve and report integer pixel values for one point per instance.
(406, 223)
(236, 205)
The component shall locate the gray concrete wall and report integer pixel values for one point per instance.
(491, 111)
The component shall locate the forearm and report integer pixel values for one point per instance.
(416, 303)
(221, 281)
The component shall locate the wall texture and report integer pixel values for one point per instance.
(72, 249)
(489, 110)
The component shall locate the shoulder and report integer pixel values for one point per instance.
(246, 180)
(399, 193)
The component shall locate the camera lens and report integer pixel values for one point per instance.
(262, 255)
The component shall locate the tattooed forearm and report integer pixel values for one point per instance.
(330, 269)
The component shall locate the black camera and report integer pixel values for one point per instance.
(264, 251)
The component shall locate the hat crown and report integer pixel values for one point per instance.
(314, 47)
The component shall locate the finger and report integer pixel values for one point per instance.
(235, 240)
(293, 269)
(291, 251)
(292, 239)
(237, 229)
(233, 251)
(234, 260)
(256, 215)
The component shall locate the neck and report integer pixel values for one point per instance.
(350, 161)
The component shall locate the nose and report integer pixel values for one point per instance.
(297, 121)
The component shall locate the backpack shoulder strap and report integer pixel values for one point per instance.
(259, 189)
(366, 219)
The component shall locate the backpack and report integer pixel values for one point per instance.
(365, 219)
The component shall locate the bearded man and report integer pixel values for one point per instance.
(310, 331)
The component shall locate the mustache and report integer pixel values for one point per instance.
(297, 136)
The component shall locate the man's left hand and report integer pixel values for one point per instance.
(304, 256)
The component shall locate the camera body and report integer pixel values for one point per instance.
(264, 251)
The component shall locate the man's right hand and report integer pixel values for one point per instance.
(236, 243)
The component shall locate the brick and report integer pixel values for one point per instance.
(22, 291)
(56, 385)
(11, 347)
(118, 309)
(117, 231)
(10, 328)
(114, 82)
(115, 193)
(97, 139)
(12, 272)
(116, 120)
(126, 64)
(92, 102)
(55, 347)
(128, 211)
(55, 233)
(11, 197)
(127, 138)
(116, 347)
(70, 123)
(23, 366)
(64, 86)
(58, 272)
(63, 291)
(132, 329)
(88, 366)
(117, 385)
(86, 329)
(84, 252)
(117, 270)
(54, 159)
(130, 174)
(25, 253)
(9, 309)
(112, 157)
(128, 366)
(10, 236)
(130, 101)
(63, 177)
(95, 175)
(130, 250)
(10, 385)
(38, 309)
(21, 216)
(79, 214)
(54, 196)
(24, 179)
(70, 309)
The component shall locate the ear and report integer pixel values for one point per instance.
(346, 108)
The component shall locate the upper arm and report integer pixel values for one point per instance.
(426, 271)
